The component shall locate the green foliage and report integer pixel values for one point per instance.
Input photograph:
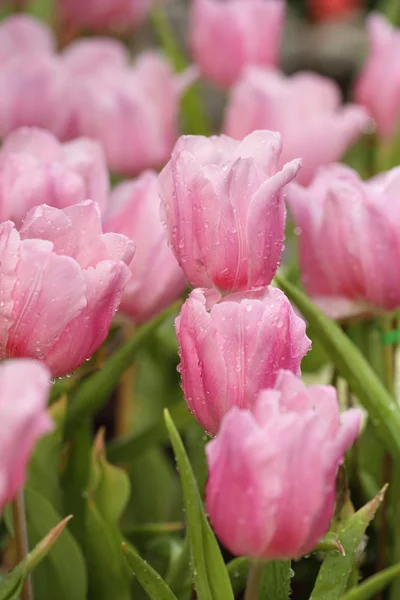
(208, 568)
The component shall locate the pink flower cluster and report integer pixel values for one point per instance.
(72, 251)
(92, 90)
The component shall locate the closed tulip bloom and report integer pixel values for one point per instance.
(223, 205)
(35, 169)
(118, 105)
(349, 240)
(378, 85)
(232, 348)
(26, 36)
(227, 36)
(61, 281)
(304, 108)
(29, 96)
(272, 472)
(104, 14)
(24, 388)
(157, 279)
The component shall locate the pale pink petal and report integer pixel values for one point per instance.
(24, 387)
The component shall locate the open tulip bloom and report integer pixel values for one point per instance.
(199, 364)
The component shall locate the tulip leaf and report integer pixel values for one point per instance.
(367, 589)
(62, 574)
(276, 578)
(43, 472)
(208, 568)
(148, 577)
(11, 585)
(381, 406)
(336, 568)
(96, 390)
(108, 494)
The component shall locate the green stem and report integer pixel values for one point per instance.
(21, 539)
(254, 580)
(388, 352)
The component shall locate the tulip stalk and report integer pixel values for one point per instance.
(21, 539)
(254, 580)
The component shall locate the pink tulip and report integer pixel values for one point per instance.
(223, 205)
(236, 349)
(272, 473)
(306, 110)
(29, 85)
(157, 280)
(104, 14)
(61, 281)
(131, 111)
(378, 85)
(349, 240)
(22, 35)
(24, 386)
(35, 168)
(227, 36)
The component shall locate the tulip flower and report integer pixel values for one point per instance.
(272, 471)
(378, 84)
(131, 111)
(35, 168)
(157, 279)
(22, 35)
(29, 92)
(349, 240)
(61, 281)
(104, 14)
(236, 349)
(223, 205)
(304, 108)
(227, 36)
(24, 387)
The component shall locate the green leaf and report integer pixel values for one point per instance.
(367, 589)
(208, 568)
(76, 477)
(336, 569)
(109, 577)
(62, 574)
(11, 585)
(43, 472)
(148, 577)
(111, 490)
(108, 494)
(41, 9)
(381, 406)
(126, 449)
(276, 580)
(95, 391)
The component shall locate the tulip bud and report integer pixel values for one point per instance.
(348, 238)
(116, 103)
(61, 281)
(378, 85)
(223, 205)
(272, 472)
(157, 279)
(24, 387)
(232, 352)
(22, 35)
(36, 169)
(227, 36)
(304, 108)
